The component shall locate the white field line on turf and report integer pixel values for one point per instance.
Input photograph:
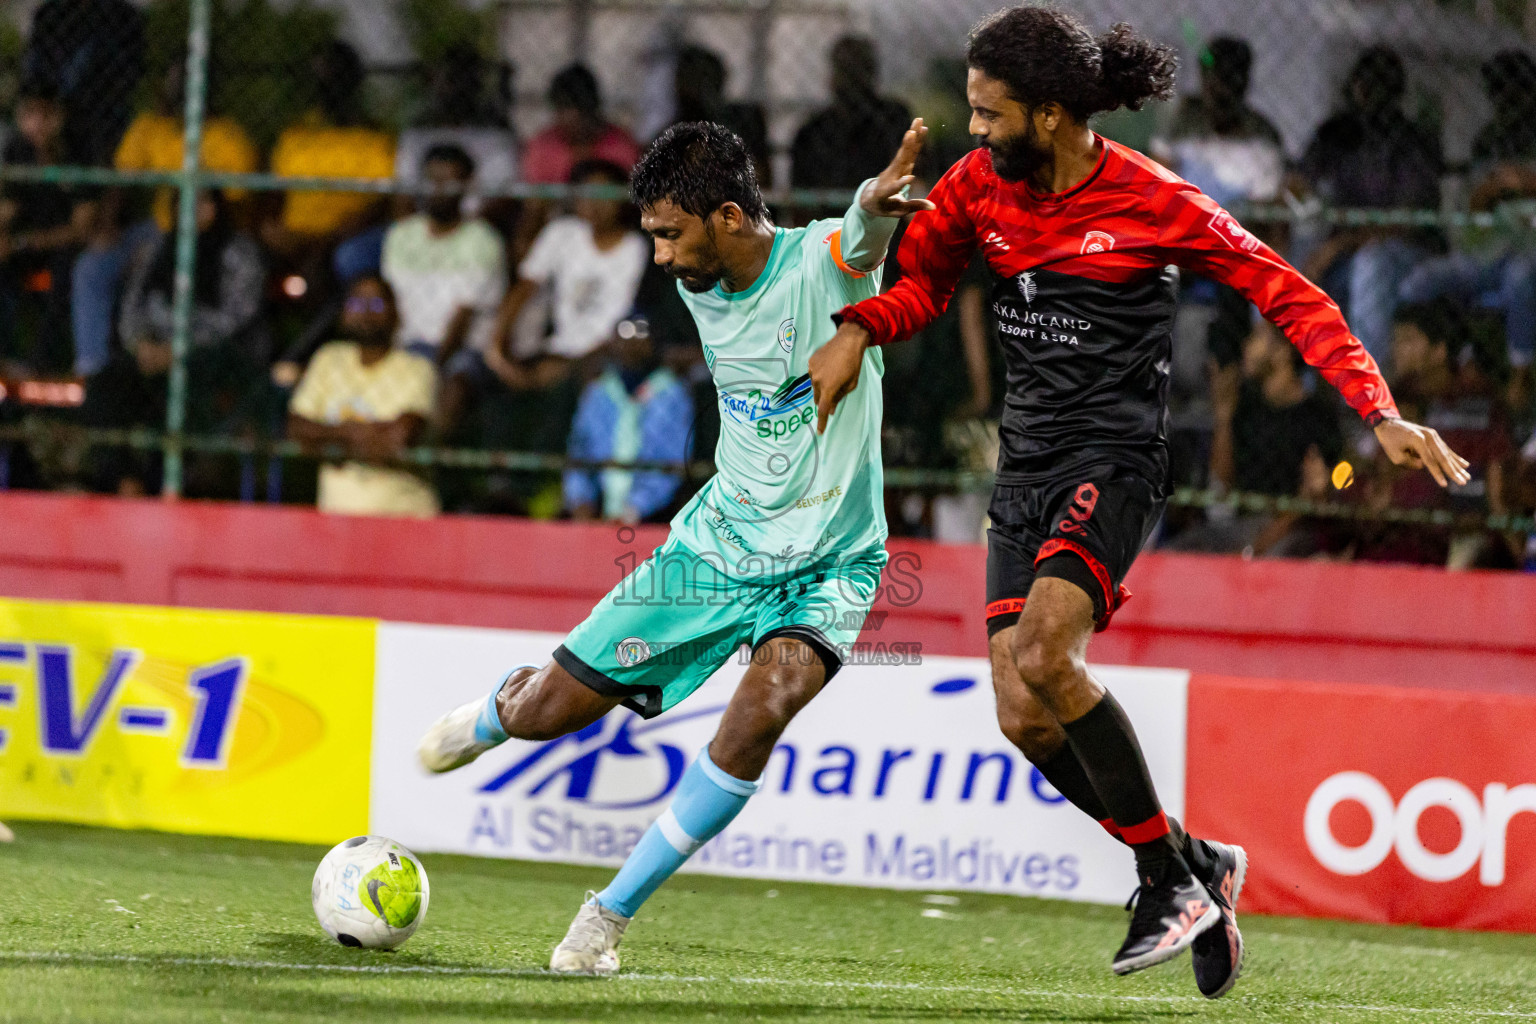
(88, 959)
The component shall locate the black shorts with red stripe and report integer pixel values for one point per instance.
(1086, 529)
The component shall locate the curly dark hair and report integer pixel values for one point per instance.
(1046, 55)
(699, 166)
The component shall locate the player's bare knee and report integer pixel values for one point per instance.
(787, 689)
(1045, 662)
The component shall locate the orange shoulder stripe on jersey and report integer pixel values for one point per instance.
(835, 240)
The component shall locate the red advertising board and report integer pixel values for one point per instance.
(1370, 803)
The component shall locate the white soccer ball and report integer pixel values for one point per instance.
(370, 892)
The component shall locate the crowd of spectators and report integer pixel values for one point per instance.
(362, 323)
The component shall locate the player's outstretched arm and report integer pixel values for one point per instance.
(1408, 444)
(883, 197)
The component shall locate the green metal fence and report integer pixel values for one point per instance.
(206, 32)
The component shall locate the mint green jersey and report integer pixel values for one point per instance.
(781, 492)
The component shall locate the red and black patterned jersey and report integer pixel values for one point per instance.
(1085, 298)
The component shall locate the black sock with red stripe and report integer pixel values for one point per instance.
(1105, 743)
(1064, 771)
(1068, 777)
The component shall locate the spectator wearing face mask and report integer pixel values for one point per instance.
(449, 274)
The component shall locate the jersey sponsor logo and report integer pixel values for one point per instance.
(1230, 231)
(1027, 286)
(631, 651)
(756, 407)
(787, 335)
(993, 238)
(1097, 241)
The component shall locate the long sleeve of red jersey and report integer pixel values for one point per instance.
(933, 256)
(1197, 233)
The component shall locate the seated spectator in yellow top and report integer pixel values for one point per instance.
(333, 140)
(153, 142)
(371, 400)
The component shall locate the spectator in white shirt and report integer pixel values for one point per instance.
(449, 275)
(591, 264)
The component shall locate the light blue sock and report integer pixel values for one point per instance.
(488, 726)
(706, 801)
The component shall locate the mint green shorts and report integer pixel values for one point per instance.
(670, 624)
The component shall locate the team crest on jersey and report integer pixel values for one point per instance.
(1027, 286)
(1230, 231)
(1097, 241)
(787, 335)
(631, 651)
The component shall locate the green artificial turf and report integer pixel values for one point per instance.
(101, 925)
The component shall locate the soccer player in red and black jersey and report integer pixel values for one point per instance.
(1080, 234)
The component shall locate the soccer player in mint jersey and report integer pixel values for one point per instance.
(781, 550)
(1079, 233)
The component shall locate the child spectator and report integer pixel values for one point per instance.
(635, 411)
(449, 275)
(372, 400)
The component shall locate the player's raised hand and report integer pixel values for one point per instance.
(1408, 444)
(835, 370)
(883, 196)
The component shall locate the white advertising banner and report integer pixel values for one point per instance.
(894, 776)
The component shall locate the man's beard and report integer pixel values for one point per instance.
(698, 286)
(1017, 159)
(703, 277)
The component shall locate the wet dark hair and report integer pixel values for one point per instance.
(700, 167)
(448, 153)
(1046, 55)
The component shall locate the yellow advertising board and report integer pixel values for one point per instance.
(226, 723)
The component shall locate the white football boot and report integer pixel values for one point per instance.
(592, 944)
(451, 742)
(6, 835)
